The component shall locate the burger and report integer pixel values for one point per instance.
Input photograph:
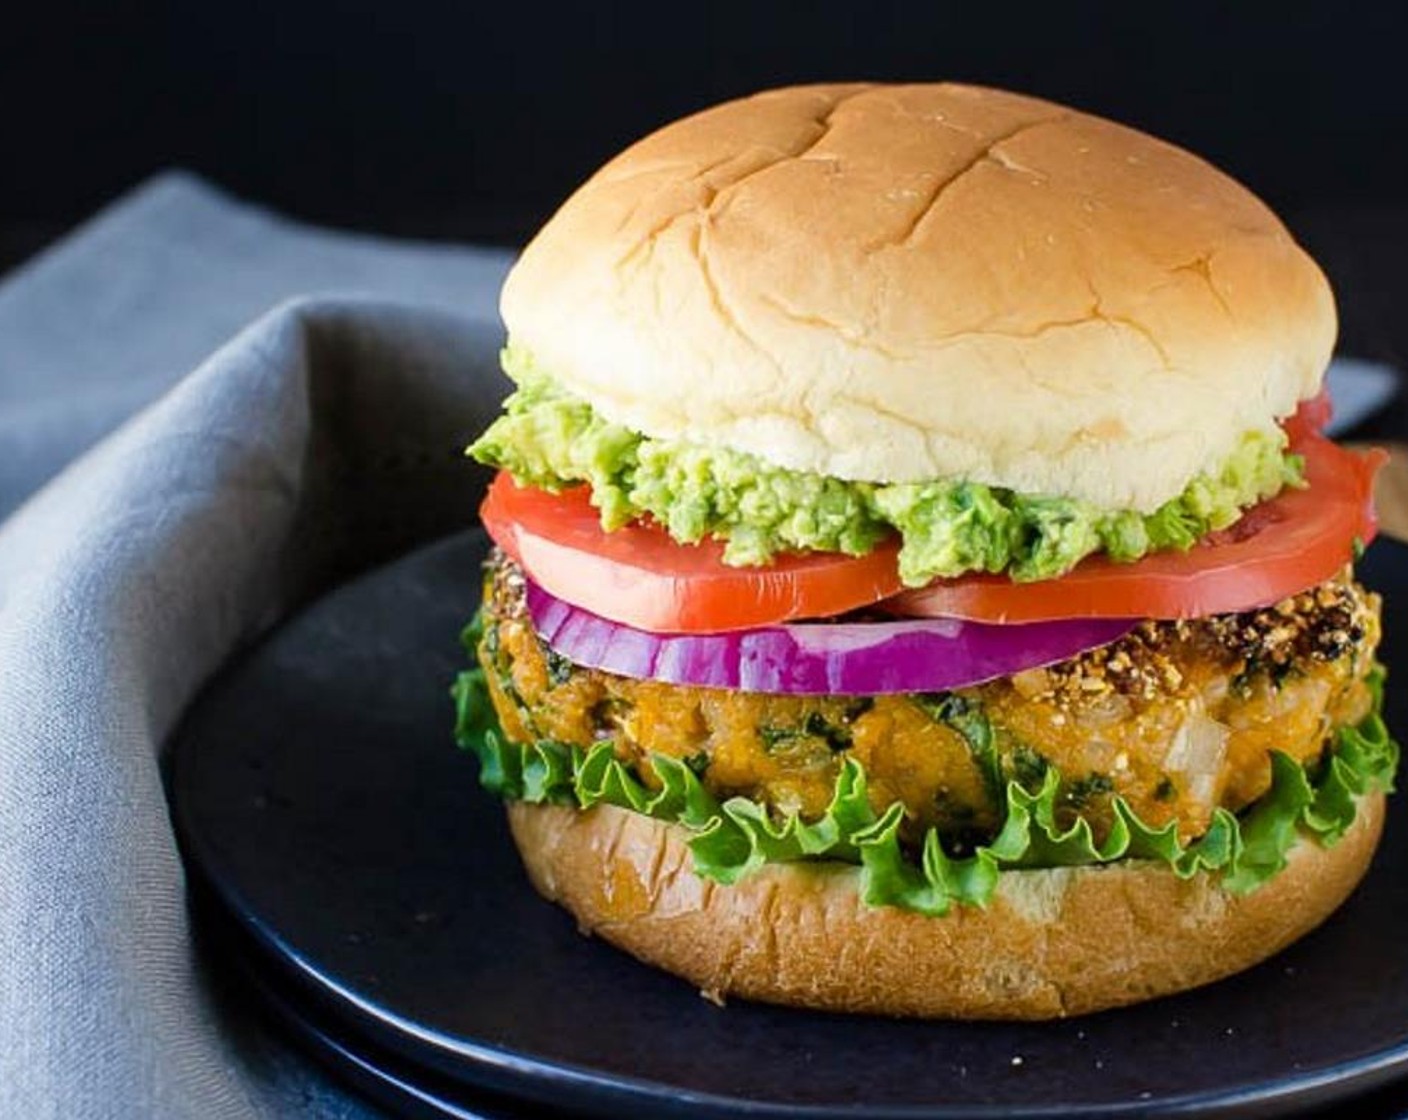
(921, 584)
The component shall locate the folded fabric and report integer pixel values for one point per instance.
(322, 439)
(137, 297)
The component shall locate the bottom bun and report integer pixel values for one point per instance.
(1055, 942)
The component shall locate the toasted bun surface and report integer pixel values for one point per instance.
(899, 283)
(1051, 943)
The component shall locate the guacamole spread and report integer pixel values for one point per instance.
(551, 439)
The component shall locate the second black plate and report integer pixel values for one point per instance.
(317, 793)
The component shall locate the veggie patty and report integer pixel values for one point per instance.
(1178, 718)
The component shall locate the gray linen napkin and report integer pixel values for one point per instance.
(102, 323)
(323, 438)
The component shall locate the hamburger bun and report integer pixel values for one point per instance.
(1052, 943)
(903, 283)
(928, 283)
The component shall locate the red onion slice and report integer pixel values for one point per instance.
(817, 658)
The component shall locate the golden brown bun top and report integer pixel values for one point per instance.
(896, 283)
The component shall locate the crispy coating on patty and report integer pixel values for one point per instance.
(1177, 717)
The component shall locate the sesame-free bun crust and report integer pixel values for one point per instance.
(905, 282)
(1051, 943)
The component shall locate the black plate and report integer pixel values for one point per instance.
(318, 797)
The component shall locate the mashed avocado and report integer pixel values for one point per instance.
(550, 439)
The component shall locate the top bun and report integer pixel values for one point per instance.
(895, 283)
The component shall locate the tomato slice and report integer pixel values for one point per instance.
(639, 576)
(1310, 417)
(1278, 548)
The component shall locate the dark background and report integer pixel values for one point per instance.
(474, 119)
(471, 121)
(477, 118)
